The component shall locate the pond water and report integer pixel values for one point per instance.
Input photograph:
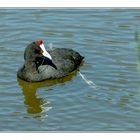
(102, 95)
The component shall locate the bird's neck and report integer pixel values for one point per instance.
(30, 66)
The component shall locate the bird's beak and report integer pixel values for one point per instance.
(44, 52)
(46, 59)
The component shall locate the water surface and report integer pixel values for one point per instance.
(105, 37)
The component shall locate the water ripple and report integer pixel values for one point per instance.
(105, 37)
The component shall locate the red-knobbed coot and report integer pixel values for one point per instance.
(41, 65)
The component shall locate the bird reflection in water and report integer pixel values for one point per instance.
(36, 106)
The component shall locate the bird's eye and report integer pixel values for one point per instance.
(34, 43)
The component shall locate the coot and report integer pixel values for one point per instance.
(41, 65)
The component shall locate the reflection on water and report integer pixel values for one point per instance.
(35, 105)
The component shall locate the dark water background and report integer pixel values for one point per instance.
(105, 37)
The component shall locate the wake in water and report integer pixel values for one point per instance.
(88, 82)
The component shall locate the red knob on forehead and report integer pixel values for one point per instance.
(40, 42)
